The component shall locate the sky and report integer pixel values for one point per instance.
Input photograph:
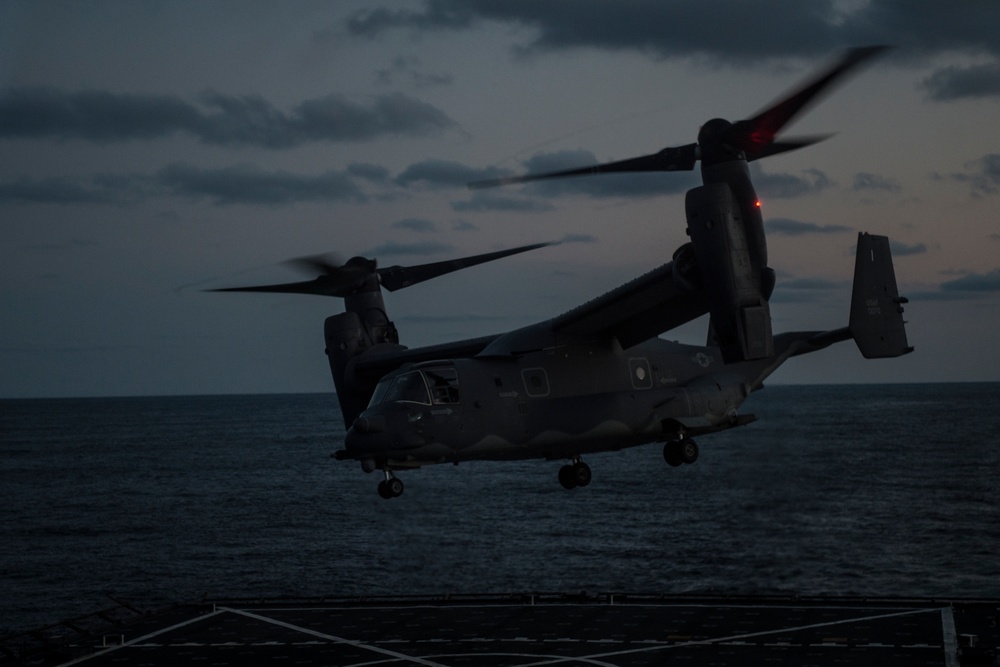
(155, 150)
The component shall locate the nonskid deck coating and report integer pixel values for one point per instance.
(532, 629)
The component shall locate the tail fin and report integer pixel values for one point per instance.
(876, 308)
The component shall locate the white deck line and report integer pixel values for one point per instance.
(333, 638)
(718, 640)
(140, 640)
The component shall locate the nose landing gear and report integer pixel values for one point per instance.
(391, 486)
(574, 474)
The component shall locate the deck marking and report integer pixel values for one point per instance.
(140, 640)
(334, 638)
(730, 638)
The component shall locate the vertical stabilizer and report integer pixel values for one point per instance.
(876, 308)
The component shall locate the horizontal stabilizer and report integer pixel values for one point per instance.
(876, 308)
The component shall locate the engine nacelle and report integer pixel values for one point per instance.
(733, 281)
(349, 335)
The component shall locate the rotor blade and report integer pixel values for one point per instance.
(760, 130)
(321, 286)
(679, 158)
(785, 145)
(398, 277)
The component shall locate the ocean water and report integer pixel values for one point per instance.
(880, 490)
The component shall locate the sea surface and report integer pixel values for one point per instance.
(870, 489)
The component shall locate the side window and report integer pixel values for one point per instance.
(642, 378)
(443, 383)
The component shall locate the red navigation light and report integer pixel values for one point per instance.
(757, 203)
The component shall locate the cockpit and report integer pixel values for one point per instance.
(432, 385)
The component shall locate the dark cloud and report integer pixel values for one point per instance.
(982, 175)
(730, 30)
(952, 83)
(866, 181)
(369, 172)
(974, 282)
(61, 190)
(485, 201)
(218, 119)
(415, 225)
(407, 70)
(240, 184)
(789, 186)
(445, 174)
(903, 249)
(247, 184)
(812, 284)
(789, 227)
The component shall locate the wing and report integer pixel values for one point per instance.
(636, 311)
(391, 359)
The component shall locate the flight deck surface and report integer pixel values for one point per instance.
(542, 629)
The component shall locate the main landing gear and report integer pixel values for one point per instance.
(391, 486)
(574, 474)
(679, 452)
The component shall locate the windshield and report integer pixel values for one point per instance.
(426, 386)
(408, 387)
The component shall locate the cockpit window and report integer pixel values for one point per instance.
(408, 387)
(412, 387)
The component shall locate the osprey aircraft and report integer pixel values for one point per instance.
(597, 378)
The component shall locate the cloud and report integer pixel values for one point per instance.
(247, 184)
(734, 31)
(484, 201)
(789, 227)
(975, 81)
(407, 69)
(807, 289)
(982, 175)
(434, 174)
(415, 225)
(866, 181)
(789, 186)
(218, 119)
(811, 284)
(369, 172)
(974, 282)
(238, 184)
(64, 191)
(903, 249)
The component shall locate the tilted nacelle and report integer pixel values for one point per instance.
(732, 272)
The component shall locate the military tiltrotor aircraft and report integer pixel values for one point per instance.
(597, 378)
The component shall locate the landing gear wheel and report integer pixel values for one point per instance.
(689, 450)
(390, 487)
(574, 475)
(679, 452)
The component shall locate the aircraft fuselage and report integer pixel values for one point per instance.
(561, 403)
